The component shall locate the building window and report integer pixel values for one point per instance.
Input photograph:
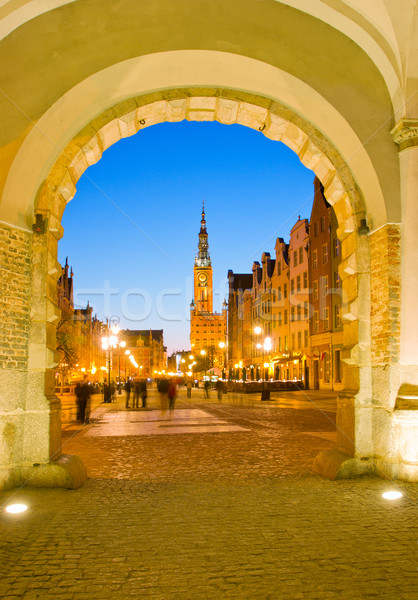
(337, 315)
(322, 224)
(300, 255)
(292, 312)
(292, 286)
(305, 310)
(299, 312)
(315, 289)
(314, 259)
(285, 343)
(337, 281)
(305, 280)
(316, 229)
(337, 247)
(325, 285)
(280, 344)
(295, 258)
(298, 283)
(279, 293)
(285, 317)
(337, 366)
(315, 322)
(279, 267)
(324, 254)
(299, 340)
(293, 341)
(326, 367)
(280, 319)
(285, 290)
(305, 338)
(325, 318)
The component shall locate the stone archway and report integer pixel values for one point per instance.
(103, 69)
(274, 121)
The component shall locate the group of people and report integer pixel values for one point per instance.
(138, 388)
(168, 394)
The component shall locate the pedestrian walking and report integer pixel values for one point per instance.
(84, 399)
(172, 395)
(163, 389)
(128, 392)
(144, 393)
(77, 392)
(206, 386)
(189, 388)
(137, 389)
(220, 389)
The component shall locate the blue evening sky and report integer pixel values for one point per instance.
(131, 231)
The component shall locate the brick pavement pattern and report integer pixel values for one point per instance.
(211, 515)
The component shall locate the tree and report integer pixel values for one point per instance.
(66, 344)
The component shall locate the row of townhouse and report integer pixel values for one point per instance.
(284, 319)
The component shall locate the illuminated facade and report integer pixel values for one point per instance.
(207, 328)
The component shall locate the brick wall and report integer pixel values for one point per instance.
(15, 273)
(385, 295)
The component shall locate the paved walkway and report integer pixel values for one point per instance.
(216, 502)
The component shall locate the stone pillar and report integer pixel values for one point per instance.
(30, 421)
(15, 280)
(404, 459)
(353, 455)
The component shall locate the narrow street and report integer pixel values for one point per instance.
(217, 501)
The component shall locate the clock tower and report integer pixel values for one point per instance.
(207, 328)
(203, 286)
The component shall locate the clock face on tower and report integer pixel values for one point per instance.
(202, 278)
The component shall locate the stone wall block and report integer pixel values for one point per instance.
(334, 189)
(310, 155)
(205, 103)
(151, 114)
(201, 115)
(93, 151)
(251, 116)
(324, 169)
(127, 124)
(227, 111)
(78, 165)
(11, 435)
(295, 138)
(176, 110)
(58, 208)
(276, 127)
(67, 187)
(109, 134)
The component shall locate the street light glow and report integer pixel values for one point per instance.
(15, 509)
(257, 330)
(392, 495)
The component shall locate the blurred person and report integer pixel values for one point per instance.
(143, 392)
(172, 395)
(137, 390)
(220, 389)
(163, 389)
(128, 392)
(206, 387)
(189, 388)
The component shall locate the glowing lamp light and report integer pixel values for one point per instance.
(191, 357)
(258, 346)
(15, 509)
(122, 344)
(93, 370)
(127, 352)
(221, 344)
(83, 369)
(203, 352)
(267, 344)
(266, 365)
(103, 368)
(392, 495)
(236, 366)
(257, 330)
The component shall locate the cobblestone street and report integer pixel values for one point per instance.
(218, 501)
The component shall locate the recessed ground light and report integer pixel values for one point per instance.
(392, 495)
(14, 509)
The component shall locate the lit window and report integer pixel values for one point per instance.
(292, 286)
(315, 289)
(298, 283)
(325, 318)
(337, 247)
(314, 259)
(315, 322)
(324, 254)
(305, 280)
(325, 285)
(299, 340)
(337, 313)
(285, 317)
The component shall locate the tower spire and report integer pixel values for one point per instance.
(203, 257)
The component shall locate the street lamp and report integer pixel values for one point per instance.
(266, 346)
(108, 343)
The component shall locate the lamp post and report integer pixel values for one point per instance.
(222, 346)
(108, 342)
(120, 345)
(266, 346)
(203, 353)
